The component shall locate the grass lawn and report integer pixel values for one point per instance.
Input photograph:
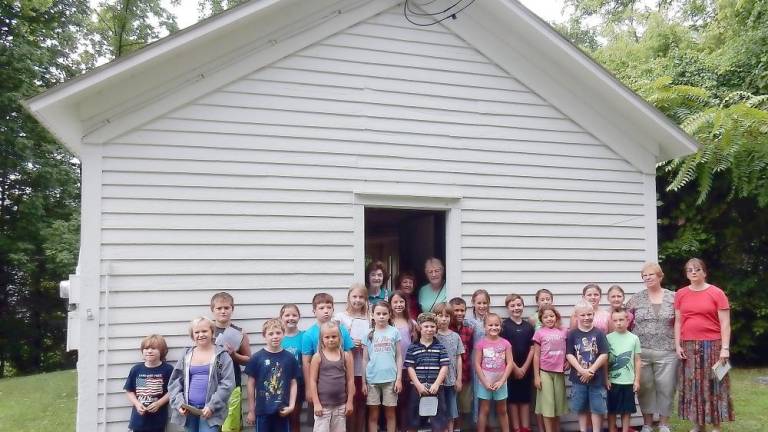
(750, 401)
(37, 403)
(46, 402)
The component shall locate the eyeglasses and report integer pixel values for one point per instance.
(692, 270)
(647, 275)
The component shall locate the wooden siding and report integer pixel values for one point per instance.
(250, 188)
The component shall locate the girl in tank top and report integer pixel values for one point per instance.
(330, 370)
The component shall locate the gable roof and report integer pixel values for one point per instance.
(133, 90)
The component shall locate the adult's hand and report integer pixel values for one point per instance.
(680, 353)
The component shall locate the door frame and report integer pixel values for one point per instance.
(451, 205)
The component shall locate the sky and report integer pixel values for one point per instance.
(549, 10)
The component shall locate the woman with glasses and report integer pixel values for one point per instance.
(654, 312)
(702, 339)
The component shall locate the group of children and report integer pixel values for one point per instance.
(348, 365)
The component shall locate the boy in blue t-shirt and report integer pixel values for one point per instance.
(322, 307)
(147, 387)
(272, 383)
(587, 353)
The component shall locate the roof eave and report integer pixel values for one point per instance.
(617, 101)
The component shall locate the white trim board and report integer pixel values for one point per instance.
(450, 204)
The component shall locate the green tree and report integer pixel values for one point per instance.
(42, 43)
(703, 64)
(123, 26)
(39, 181)
(208, 8)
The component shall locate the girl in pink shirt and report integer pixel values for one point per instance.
(548, 367)
(493, 365)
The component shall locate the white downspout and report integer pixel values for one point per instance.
(105, 363)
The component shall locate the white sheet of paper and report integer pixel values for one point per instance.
(720, 369)
(231, 337)
(359, 329)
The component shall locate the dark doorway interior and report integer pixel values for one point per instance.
(404, 239)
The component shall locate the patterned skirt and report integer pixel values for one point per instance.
(703, 399)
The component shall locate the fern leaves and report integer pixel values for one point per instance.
(732, 132)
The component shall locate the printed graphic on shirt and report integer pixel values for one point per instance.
(587, 351)
(493, 357)
(620, 363)
(149, 388)
(273, 384)
(383, 344)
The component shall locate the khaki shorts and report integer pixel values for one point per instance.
(332, 420)
(382, 394)
(551, 399)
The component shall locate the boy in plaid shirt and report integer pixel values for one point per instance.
(459, 311)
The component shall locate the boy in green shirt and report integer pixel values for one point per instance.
(623, 371)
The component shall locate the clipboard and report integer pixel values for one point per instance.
(192, 410)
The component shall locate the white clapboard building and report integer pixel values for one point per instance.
(269, 150)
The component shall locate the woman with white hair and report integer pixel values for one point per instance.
(433, 293)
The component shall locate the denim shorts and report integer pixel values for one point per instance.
(451, 403)
(588, 398)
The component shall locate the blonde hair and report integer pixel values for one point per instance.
(491, 315)
(362, 288)
(475, 295)
(583, 305)
(654, 266)
(272, 324)
(198, 320)
(329, 325)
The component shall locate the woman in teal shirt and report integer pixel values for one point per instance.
(433, 292)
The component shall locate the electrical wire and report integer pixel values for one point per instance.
(409, 11)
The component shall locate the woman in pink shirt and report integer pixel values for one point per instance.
(702, 339)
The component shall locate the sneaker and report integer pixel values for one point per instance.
(664, 428)
(647, 428)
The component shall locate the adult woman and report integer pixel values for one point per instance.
(702, 338)
(654, 312)
(434, 291)
(377, 276)
(406, 282)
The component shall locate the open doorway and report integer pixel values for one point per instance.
(404, 239)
